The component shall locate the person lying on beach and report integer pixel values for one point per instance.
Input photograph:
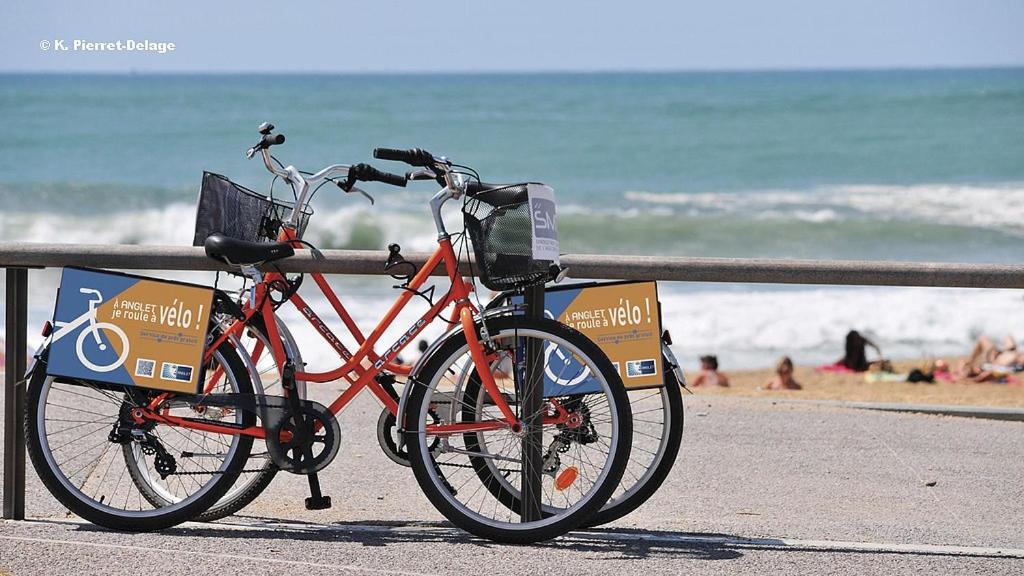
(855, 357)
(986, 352)
(991, 363)
(992, 373)
(783, 379)
(709, 374)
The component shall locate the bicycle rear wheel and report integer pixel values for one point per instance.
(657, 416)
(583, 458)
(79, 434)
(259, 470)
(657, 434)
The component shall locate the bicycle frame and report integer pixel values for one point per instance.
(363, 366)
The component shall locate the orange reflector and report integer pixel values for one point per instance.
(566, 478)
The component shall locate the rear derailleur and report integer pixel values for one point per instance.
(125, 434)
(578, 428)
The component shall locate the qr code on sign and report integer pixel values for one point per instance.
(145, 367)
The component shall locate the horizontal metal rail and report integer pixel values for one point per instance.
(18, 256)
(669, 268)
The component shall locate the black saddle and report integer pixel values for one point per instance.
(242, 252)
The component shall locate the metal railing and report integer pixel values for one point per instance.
(18, 257)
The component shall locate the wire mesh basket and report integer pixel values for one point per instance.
(237, 212)
(501, 229)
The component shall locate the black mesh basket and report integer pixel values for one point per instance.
(237, 212)
(499, 225)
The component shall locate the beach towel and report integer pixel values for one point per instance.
(836, 368)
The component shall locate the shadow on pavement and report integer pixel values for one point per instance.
(620, 543)
(388, 533)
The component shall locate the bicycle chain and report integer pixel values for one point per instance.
(215, 472)
(454, 465)
(450, 464)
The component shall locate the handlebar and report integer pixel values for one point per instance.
(266, 141)
(303, 183)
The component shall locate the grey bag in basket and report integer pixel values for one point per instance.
(515, 244)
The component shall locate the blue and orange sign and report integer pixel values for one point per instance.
(622, 318)
(123, 329)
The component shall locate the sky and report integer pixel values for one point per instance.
(525, 35)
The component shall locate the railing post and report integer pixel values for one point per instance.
(532, 402)
(14, 395)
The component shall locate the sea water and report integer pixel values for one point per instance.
(897, 165)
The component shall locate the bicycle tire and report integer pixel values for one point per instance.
(229, 504)
(647, 482)
(552, 525)
(144, 521)
(658, 471)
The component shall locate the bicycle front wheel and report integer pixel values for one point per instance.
(584, 442)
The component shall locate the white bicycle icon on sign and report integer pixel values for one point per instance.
(65, 328)
(566, 361)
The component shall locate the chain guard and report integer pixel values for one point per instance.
(387, 437)
(322, 443)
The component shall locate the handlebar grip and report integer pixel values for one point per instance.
(368, 173)
(413, 156)
(393, 179)
(272, 140)
(390, 154)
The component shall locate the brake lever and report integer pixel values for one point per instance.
(360, 191)
(421, 174)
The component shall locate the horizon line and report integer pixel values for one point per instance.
(523, 71)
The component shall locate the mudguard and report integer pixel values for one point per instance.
(429, 353)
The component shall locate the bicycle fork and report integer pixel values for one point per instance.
(483, 369)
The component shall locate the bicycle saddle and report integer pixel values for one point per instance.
(244, 253)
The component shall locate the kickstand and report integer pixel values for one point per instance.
(316, 500)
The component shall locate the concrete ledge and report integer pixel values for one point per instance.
(984, 412)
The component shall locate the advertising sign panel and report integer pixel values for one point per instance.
(123, 329)
(620, 317)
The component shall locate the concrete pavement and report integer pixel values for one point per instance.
(758, 488)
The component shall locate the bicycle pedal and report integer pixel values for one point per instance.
(321, 503)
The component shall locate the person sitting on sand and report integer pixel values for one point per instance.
(856, 358)
(783, 379)
(709, 374)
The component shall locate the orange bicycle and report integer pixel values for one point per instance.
(477, 410)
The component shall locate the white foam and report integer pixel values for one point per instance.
(996, 206)
(752, 327)
(174, 224)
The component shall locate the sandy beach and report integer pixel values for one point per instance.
(854, 388)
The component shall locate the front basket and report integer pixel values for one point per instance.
(235, 211)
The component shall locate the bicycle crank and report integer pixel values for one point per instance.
(304, 443)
